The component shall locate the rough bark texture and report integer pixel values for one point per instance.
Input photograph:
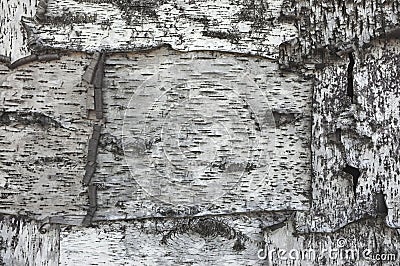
(199, 132)
(26, 242)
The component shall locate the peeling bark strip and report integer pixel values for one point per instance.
(33, 58)
(98, 103)
(48, 57)
(90, 71)
(92, 192)
(22, 61)
(97, 79)
(98, 85)
(92, 154)
(94, 75)
(89, 171)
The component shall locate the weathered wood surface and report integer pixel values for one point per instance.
(85, 135)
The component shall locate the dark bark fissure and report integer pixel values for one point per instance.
(355, 173)
(350, 78)
(381, 206)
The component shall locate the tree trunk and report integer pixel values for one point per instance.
(199, 132)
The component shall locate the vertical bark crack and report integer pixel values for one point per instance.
(381, 206)
(350, 77)
(355, 173)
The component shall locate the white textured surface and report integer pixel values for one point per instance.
(42, 163)
(278, 153)
(368, 139)
(185, 25)
(12, 35)
(23, 244)
(43, 138)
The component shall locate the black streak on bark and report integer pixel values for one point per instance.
(350, 78)
(381, 207)
(355, 173)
